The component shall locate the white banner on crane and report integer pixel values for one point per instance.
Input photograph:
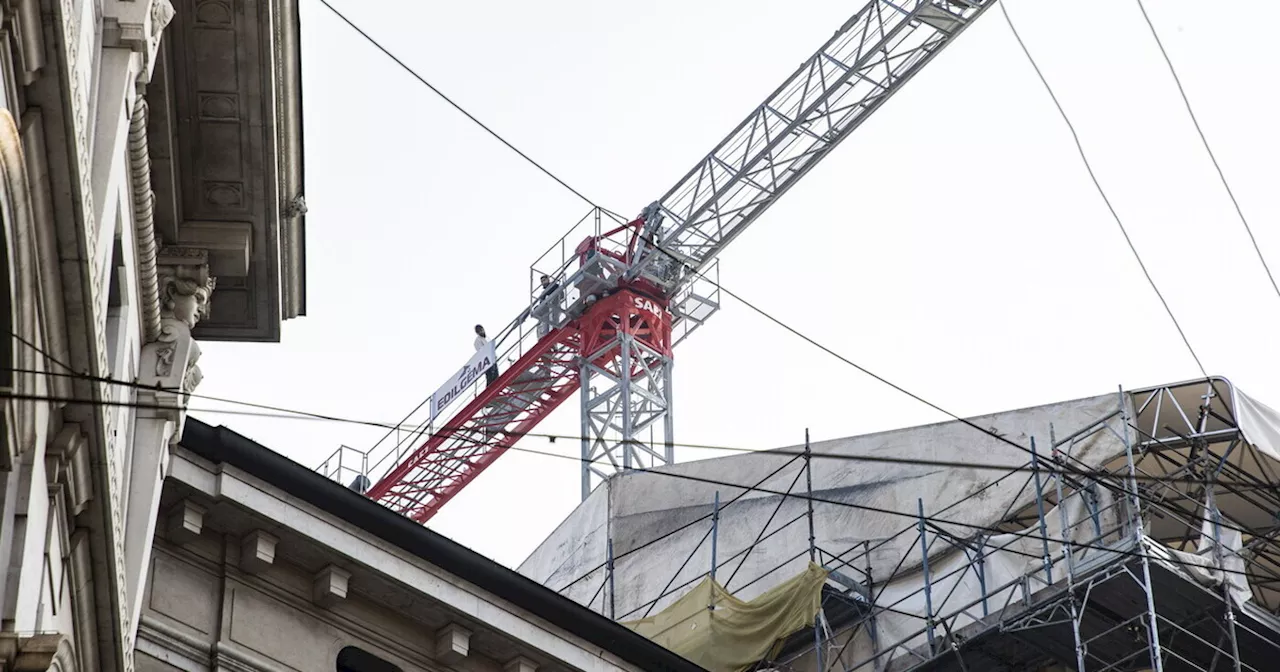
(453, 388)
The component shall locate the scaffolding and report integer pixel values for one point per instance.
(1142, 538)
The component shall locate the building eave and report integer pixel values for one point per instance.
(221, 445)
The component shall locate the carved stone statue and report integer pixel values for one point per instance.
(185, 288)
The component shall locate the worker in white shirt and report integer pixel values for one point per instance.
(490, 374)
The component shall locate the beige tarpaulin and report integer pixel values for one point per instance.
(736, 634)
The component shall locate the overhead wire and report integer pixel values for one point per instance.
(774, 319)
(455, 105)
(737, 297)
(765, 313)
(1066, 119)
(1056, 468)
(860, 507)
(1084, 158)
(282, 413)
(745, 489)
(1186, 101)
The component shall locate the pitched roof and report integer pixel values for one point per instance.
(222, 445)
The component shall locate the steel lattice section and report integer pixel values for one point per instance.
(626, 389)
(867, 60)
(484, 429)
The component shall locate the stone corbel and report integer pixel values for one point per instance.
(36, 653)
(67, 461)
(170, 364)
(137, 25)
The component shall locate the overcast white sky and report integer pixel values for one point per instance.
(953, 244)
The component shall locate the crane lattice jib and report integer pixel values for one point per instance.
(605, 337)
(854, 73)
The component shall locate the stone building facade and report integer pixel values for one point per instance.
(259, 563)
(150, 192)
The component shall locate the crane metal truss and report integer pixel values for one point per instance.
(608, 327)
(867, 60)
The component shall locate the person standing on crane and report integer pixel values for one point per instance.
(545, 307)
(491, 373)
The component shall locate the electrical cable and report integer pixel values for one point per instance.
(423, 80)
(752, 306)
(676, 530)
(1098, 185)
(1205, 141)
(784, 325)
(770, 317)
(871, 509)
(305, 415)
(1150, 500)
(745, 490)
(287, 413)
(846, 360)
(455, 105)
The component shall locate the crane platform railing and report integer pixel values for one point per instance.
(496, 417)
(692, 305)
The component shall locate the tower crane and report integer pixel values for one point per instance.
(620, 294)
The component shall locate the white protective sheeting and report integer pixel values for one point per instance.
(1259, 423)
(872, 504)
(866, 512)
(1212, 563)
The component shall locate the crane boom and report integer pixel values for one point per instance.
(863, 64)
(608, 328)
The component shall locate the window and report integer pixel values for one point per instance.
(352, 659)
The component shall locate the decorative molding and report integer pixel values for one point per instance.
(453, 642)
(73, 20)
(229, 657)
(330, 586)
(164, 642)
(32, 39)
(295, 207)
(37, 653)
(144, 220)
(257, 552)
(68, 448)
(520, 664)
(136, 25)
(170, 362)
(224, 195)
(185, 522)
(185, 285)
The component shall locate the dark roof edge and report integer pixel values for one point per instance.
(219, 444)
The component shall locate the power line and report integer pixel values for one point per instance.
(1092, 476)
(288, 414)
(1205, 141)
(767, 315)
(757, 487)
(455, 105)
(735, 295)
(293, 414)
(748, 304)
(677, 529)
(1056, 467)
(1098, 185)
